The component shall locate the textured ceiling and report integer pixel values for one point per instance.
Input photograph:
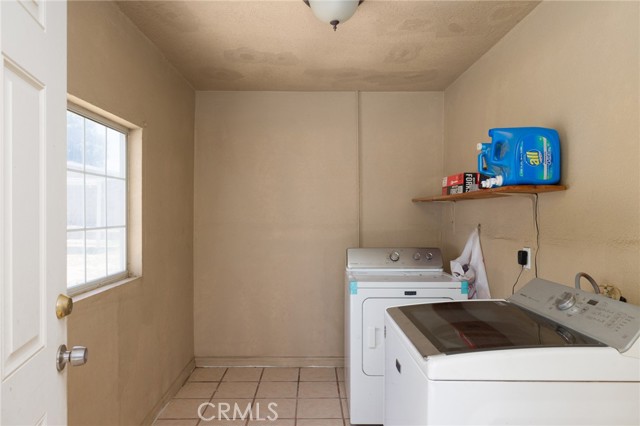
(279, 45)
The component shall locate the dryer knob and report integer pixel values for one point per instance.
(565, 301)
(416, 256)
(394, 256)
(428, 256)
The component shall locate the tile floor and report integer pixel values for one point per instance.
(304, 397)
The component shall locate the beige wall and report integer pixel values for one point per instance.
(139, 335)
(401, 158)
(277, 203)
(572, 66)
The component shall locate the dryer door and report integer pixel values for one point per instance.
(373, 329)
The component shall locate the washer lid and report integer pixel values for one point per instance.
(468, 326)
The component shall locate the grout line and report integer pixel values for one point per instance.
(295, 417)
(255, 396)
(223, 374)
(339, 399)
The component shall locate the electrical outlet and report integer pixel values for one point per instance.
(528, 250)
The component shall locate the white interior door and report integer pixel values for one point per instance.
(33, 43)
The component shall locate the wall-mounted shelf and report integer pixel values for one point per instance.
(500, 191)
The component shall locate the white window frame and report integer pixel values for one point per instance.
(110, 279)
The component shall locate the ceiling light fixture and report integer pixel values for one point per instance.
(333, 12)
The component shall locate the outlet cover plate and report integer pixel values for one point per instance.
(528, 250)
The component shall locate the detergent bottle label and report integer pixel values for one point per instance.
(536, 158)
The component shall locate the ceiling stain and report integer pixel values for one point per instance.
(373, 77)
(401, 78)
(401, 54)
(346, 75)
(221, 74)
(386, 46)
(175, 15)
(416, 24)
(455, 28)
(247, 55)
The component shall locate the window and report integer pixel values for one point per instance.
(96, 201)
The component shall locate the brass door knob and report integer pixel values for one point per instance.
(64, 306)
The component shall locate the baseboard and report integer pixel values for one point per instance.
(173, 390)
(239, 361)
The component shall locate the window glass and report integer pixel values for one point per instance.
(75, 141)
(96, 202)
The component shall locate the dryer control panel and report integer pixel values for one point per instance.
(406, 258)
(609, 321)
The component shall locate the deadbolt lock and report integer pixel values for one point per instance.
(64, 306)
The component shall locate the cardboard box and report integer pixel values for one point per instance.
(461, 182)
(459, 189)
(459, 179)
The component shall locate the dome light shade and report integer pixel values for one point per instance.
(333, 12)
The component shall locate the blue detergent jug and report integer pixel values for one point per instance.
(520, 156)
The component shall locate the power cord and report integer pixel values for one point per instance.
(513, 289)
(535, 216)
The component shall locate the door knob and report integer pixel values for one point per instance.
(64, 306)
(78, 355)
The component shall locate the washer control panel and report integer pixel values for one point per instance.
(612, 322)
(410, 258)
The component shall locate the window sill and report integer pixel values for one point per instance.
(77, 297)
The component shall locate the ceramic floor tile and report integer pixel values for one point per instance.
(209, 374)
(236, 390)
(243, 374)
(317, 374)
(307, 396)
(197, 390)
(176, 422)
(182, 409)
(278, 422)
(318, 390)
(227, 409)
(320, 422)
(345, 408)
(275, 407)
(319, 409)
(276, 374)
(277, 390)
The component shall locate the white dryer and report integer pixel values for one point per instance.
(549, 355)
(376, 279)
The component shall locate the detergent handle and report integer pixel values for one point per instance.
(483, 161)
(499, 158)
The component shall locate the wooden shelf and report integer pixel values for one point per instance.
(500, 191)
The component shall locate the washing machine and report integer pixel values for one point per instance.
(376, 279)
(548, 355)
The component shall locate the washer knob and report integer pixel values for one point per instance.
(416, 256)
(394, 256)
(565, 301)
(428, 256)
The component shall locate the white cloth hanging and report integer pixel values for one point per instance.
(469, 266)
